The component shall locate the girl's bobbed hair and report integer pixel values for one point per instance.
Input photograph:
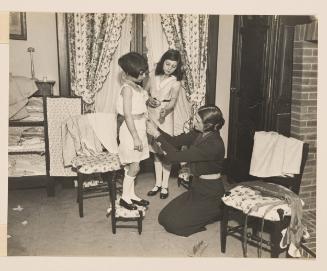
(173, 55)
(133, 64)
(211, 117)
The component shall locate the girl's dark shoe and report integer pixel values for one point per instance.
(154, 192)
(164, 195)
(126, 205)
(141, 202)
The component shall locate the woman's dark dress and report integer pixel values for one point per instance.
(193, 210)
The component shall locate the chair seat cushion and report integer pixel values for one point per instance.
(245, 199)
(99, 163)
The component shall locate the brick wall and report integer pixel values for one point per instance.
(304, 107)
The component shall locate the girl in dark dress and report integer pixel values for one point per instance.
(193, 210)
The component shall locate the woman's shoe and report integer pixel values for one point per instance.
(154, 192)
(164, 195)
(141, 202)
(126, 205)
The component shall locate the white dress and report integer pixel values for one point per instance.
(126, 151)
(161, 90)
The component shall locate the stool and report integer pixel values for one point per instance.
(107, 165)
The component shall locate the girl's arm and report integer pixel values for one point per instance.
(127, 107)
(207, 151)
(171, 105)
(151, 101)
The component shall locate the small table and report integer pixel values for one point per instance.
(45, 88)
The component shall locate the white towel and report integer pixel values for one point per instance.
(275, 155)
(105, 127)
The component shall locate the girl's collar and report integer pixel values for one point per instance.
(131, 84)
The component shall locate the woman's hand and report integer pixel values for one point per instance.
(153, 102)
(138, 144)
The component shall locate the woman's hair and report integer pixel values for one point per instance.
(211, 117)
(173, 55)
(133, 64)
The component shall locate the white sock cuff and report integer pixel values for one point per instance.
(129, 178)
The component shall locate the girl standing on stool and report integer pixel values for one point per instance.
(164, 87)
(133, 146)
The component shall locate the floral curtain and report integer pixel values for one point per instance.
(92, 39)
(106, 97)
(188, 33)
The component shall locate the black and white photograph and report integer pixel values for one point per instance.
(180, 135)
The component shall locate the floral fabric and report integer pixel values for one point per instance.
(100, 163)
(123, 212)
(92, 39)
(188, 33)
(246, 199)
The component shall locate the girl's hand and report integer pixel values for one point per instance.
(138, 144)
(153, 102)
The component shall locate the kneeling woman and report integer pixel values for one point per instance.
(193, 210)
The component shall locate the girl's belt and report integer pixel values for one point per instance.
(134, 116)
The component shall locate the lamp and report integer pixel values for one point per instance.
(31, 50)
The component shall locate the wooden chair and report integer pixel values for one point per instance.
(103, 166)
(274, 222)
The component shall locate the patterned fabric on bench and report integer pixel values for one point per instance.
(123, 212)
(102, 162)
(246, 199)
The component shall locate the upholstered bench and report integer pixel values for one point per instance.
(122, 214)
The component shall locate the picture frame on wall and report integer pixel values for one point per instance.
(17, 26)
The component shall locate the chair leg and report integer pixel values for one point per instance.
(109, 177)
(223, 228)
(139, 222)
(80, 195)
(276, 237)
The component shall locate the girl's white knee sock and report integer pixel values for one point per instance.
(127, 184)
(132, 194)
(158, 170)
(165, 175)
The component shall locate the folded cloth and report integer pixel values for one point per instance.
(78, 138)
(275, 155)
(20, 88)
(105, 127)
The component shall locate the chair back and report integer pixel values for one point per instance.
(57, 110)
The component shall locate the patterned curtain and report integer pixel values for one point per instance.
(92, 40)
(189, 34)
